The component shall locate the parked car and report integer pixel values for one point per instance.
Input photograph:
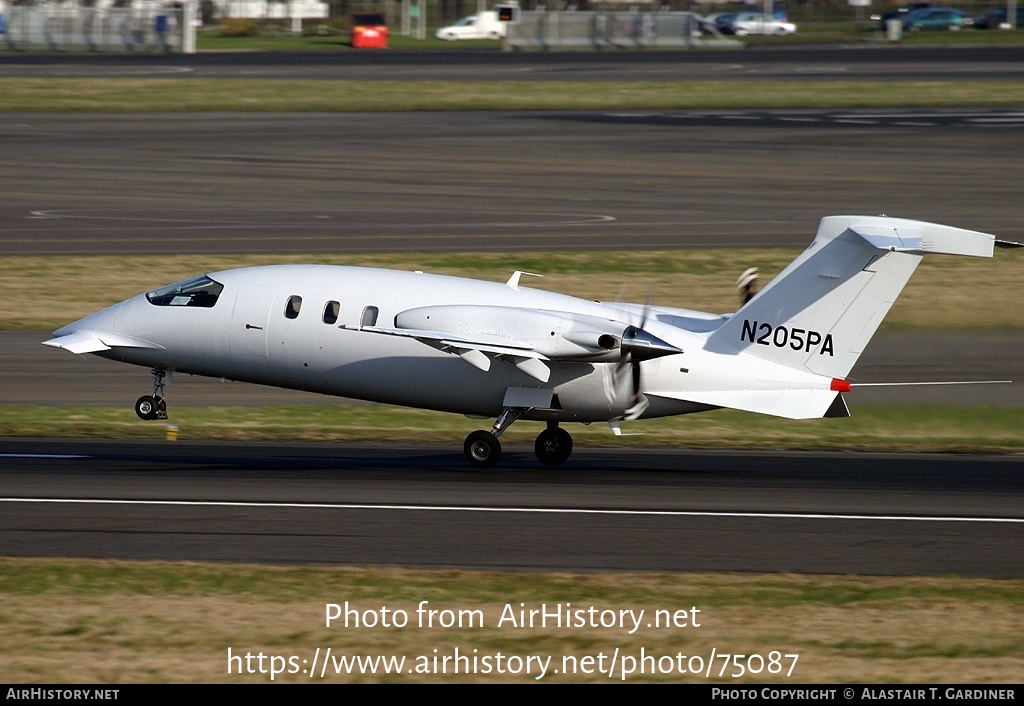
(483, 25)
(899, 13)
(935, 18)
(369, 31)
(744, 23)
(721, 20)
(996, 17)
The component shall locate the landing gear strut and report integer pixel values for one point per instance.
(153, 406)
(483, 450)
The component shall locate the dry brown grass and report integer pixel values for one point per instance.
(175, 622)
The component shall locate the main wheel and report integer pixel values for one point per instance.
(146, 407)
(553, 446)
(482, 449)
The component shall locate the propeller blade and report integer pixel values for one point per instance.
(637, 345)
(637, 402)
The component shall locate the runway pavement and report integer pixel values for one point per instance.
(347, 183)
(870, 61)
(626, 510)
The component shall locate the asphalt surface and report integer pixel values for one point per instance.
(618, 510)
(348, 183)
(871, 61)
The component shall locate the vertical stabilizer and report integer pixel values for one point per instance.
(821, 311)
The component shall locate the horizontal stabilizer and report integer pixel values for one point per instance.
(903, 235)
(80, 342)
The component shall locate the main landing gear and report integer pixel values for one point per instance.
(153, 406)
(553, 446)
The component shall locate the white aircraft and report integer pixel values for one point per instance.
(505, 351)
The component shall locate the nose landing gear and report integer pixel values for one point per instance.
(153, 406)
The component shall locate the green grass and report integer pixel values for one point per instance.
(93, 578)
(909, 428)
(140, 95)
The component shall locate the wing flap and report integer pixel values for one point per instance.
(476, 351)
(455, 342)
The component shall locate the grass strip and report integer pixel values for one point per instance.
(70, 621)
(907, 428)
(972, 293)
(136, 95)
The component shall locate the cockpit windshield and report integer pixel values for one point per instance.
(198, 291)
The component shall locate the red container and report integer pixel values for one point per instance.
(369, 31)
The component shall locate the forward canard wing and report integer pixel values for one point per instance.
(80, 342)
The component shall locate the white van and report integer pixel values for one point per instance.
(484, 25)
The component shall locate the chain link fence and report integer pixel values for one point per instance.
(612, 30)
(82, 25)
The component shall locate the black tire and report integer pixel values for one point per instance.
(146, 407)
(553, 446)
(482, 449)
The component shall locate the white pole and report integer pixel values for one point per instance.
(188, 31)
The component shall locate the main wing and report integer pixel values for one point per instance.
(530, 338)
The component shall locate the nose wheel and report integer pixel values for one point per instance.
(153, 406)
(482, 449)
(149, 407)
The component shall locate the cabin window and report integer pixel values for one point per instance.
(200, 292)
(331, 312)
(291, 309)
(369, 317)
